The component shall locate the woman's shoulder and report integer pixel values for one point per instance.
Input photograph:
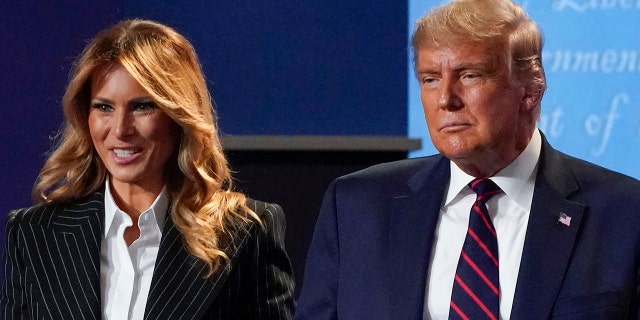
(37, 214)
(262, 208)
(43, 214)
(271, 215)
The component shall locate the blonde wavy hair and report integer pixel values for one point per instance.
(204, 208)
(498, 24)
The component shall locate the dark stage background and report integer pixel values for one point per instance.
(281, 68)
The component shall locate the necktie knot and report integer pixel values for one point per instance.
(484, 188)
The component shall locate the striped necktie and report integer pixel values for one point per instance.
(476, 288)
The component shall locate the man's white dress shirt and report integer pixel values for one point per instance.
(509, 211)
(126, 272)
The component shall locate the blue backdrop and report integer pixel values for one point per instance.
(592, 61)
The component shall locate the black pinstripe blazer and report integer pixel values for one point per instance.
(52, 268)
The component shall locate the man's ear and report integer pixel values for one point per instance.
(530, 94)
(530, 100)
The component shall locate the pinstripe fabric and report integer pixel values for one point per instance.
(257, 284)
(52, 264)
(52, 268)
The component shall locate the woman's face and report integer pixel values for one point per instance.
(133, 137)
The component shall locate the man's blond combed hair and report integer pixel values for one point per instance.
(498, 24)
(204, 208)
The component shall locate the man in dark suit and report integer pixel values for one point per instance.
(549, 236)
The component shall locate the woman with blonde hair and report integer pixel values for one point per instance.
(135, 215)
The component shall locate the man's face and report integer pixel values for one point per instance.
(476, 116)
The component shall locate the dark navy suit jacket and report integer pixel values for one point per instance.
(371, 248)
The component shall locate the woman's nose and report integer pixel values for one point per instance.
(123, 124)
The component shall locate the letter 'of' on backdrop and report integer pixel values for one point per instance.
(591, 57)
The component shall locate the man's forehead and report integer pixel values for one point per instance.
(457, 55)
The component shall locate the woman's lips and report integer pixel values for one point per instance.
(125, 155)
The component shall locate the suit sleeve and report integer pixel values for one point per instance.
(274, 274)
(13, 302)
(318, 297)
(635, 304)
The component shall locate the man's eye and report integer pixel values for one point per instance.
(471, 78)
(428, 80)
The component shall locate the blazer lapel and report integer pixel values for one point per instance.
(412, 227)
(179, 287)
(72, 250)
(548, 243)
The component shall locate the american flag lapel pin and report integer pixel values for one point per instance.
(564, 219)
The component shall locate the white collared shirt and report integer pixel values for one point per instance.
(509, 212)
(126, 272)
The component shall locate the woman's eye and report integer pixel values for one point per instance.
(102, 107)
(145, 107)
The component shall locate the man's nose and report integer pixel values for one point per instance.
(449, 97)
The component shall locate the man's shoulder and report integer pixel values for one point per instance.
(588, 172)
(392, 173)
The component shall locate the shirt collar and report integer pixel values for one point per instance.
(517, 180)
(158, 208)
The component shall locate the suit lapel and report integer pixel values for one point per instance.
(412, 227)
(179, 287)
(72, 251)
(548, 244)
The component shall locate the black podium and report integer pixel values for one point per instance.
(294, 171)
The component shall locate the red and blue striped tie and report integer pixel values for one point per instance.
(476, 289)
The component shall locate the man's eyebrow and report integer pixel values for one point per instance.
(472, 65)
(427, 71)
(460, 67)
